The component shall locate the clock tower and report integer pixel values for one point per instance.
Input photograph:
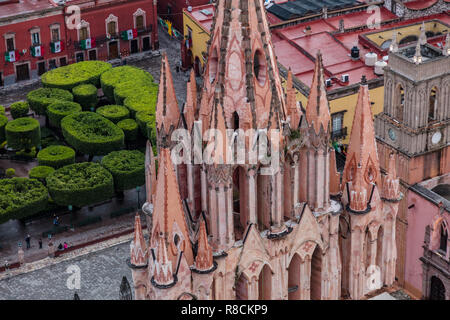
(415, 123)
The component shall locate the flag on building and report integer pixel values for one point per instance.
(129, 34)
(88, 43)
(37, 51)
(12, 56)
(57, 46)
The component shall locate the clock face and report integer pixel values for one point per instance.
(392, 134)
(437, 136)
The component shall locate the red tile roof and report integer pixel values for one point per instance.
(24, 7)
(420, 4)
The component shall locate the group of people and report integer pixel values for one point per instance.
(60, 246)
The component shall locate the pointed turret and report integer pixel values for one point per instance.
(163, 270)
(190, 107)
(362, 146)
(138, 248)
(391, 184)
(446, 49)
(394, 43)
(358, 192)
(291, 102)
(219, 155)
(418, 55)
(317, 108)
(246, 79)
(167, 110)
(204, 259)
(423, 36)
(168, 216)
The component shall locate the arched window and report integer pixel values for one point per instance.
(399, 103)
(294, 278)
(112, 28)
(213, 65)
(316, 275)
(433, 104)
(235, 121)
(259, 67)
(265, 284)
(443, 238)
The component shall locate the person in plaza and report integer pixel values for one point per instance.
(65, 245)
(60, 247)
(28, 241)
(6, 265)
(40, 243)
(56, 221)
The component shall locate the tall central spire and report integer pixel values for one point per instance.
(241, 72)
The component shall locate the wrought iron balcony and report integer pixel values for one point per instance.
(339, 134)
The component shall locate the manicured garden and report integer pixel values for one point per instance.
(97, 121)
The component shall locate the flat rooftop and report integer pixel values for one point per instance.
(297, 50)
(22, 7)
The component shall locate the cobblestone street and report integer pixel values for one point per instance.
(101, 275)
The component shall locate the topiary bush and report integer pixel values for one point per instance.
(2, 110)
(19, 109)
(21, 197)
(91, 134)
(70, 76)
(41, 98)
(144, 117)
(127, 168)
(23, 133)
(10, 172)
(131, 89)
(114, 112)
(3, 122)
(130, 129)
(80, 184)
(58, 110)
(40, 172)
(111, 78)
(56, 156)
(86, 95)
(143, 102)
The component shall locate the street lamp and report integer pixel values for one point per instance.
(138, 189)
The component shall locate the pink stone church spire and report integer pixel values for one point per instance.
(150, 172)
(358, 193)
(167, 110)
(291, 103)
(163, 269)
(317, 108)
(362, 146)
(190, 107)
(168, 215)
(138, 248)
(204, 259)
(391, 185)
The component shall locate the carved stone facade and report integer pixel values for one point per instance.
(277, 234)
(401, 8)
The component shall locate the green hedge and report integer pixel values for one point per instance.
(58, 110)
(41, 98)
(151, 135)
(70, 76)
(143, 102)
(114, 112)
(40, 172)
(90, 133)
(56, 156)
(86, 95)
(111, 78)
(127, 168)
(80, 184)
(3, 122)
(21, 197)
(23, 133)
(130, 129)
(131, 89)
(143, 118)
(2, 110)
(19, 109)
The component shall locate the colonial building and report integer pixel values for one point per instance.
(221, 230)
(415, 124)
(37, 36)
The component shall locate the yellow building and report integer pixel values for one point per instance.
(297, 42)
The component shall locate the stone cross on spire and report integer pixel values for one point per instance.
(423, 36)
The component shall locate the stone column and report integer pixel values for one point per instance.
(252, 216)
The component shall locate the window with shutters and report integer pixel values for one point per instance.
(140, 22)
(55, 34)
(35, 38)
(112, 28)
(83, 33)
(10, 44)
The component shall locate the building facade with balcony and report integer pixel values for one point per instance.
(37, 36)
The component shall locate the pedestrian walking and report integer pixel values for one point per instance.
(40, 243)
(28, 241)
(6, 265)
(65, 245)
(56, 221)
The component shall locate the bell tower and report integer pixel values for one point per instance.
(414, 123)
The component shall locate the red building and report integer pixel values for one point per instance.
(172, 10)
(39, 35)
